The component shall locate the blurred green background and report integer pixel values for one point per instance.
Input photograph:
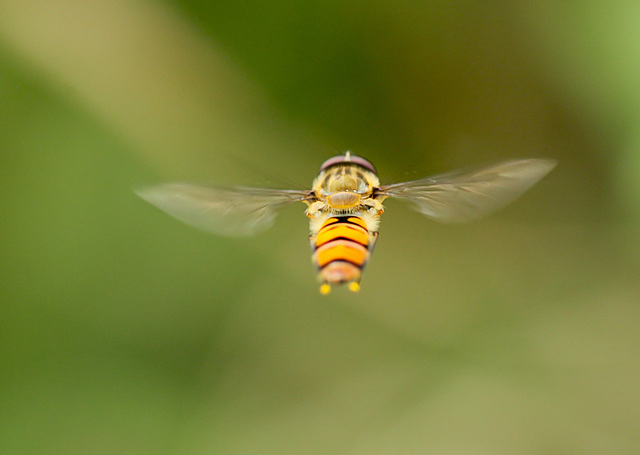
(123, 331)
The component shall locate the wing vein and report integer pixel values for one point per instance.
(468, 195)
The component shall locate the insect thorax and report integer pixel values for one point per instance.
(342, 190)
(345, 177)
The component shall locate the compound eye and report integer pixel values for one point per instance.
(348, 158)
(332, 162)
(363, 163)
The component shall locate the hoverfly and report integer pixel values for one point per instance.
(345, 204)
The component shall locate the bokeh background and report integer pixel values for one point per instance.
(123, 331)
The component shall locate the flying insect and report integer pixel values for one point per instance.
(344, 206)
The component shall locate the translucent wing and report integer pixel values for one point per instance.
(463, 196)
(231, 212)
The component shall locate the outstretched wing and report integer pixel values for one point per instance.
(463, 196)
(230, 212)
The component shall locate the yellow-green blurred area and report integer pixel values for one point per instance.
(123, 331)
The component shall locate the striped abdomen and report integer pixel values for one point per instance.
(341, 249)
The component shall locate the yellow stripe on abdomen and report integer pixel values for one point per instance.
(341, 249)
(336, 230)
(358, 221)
